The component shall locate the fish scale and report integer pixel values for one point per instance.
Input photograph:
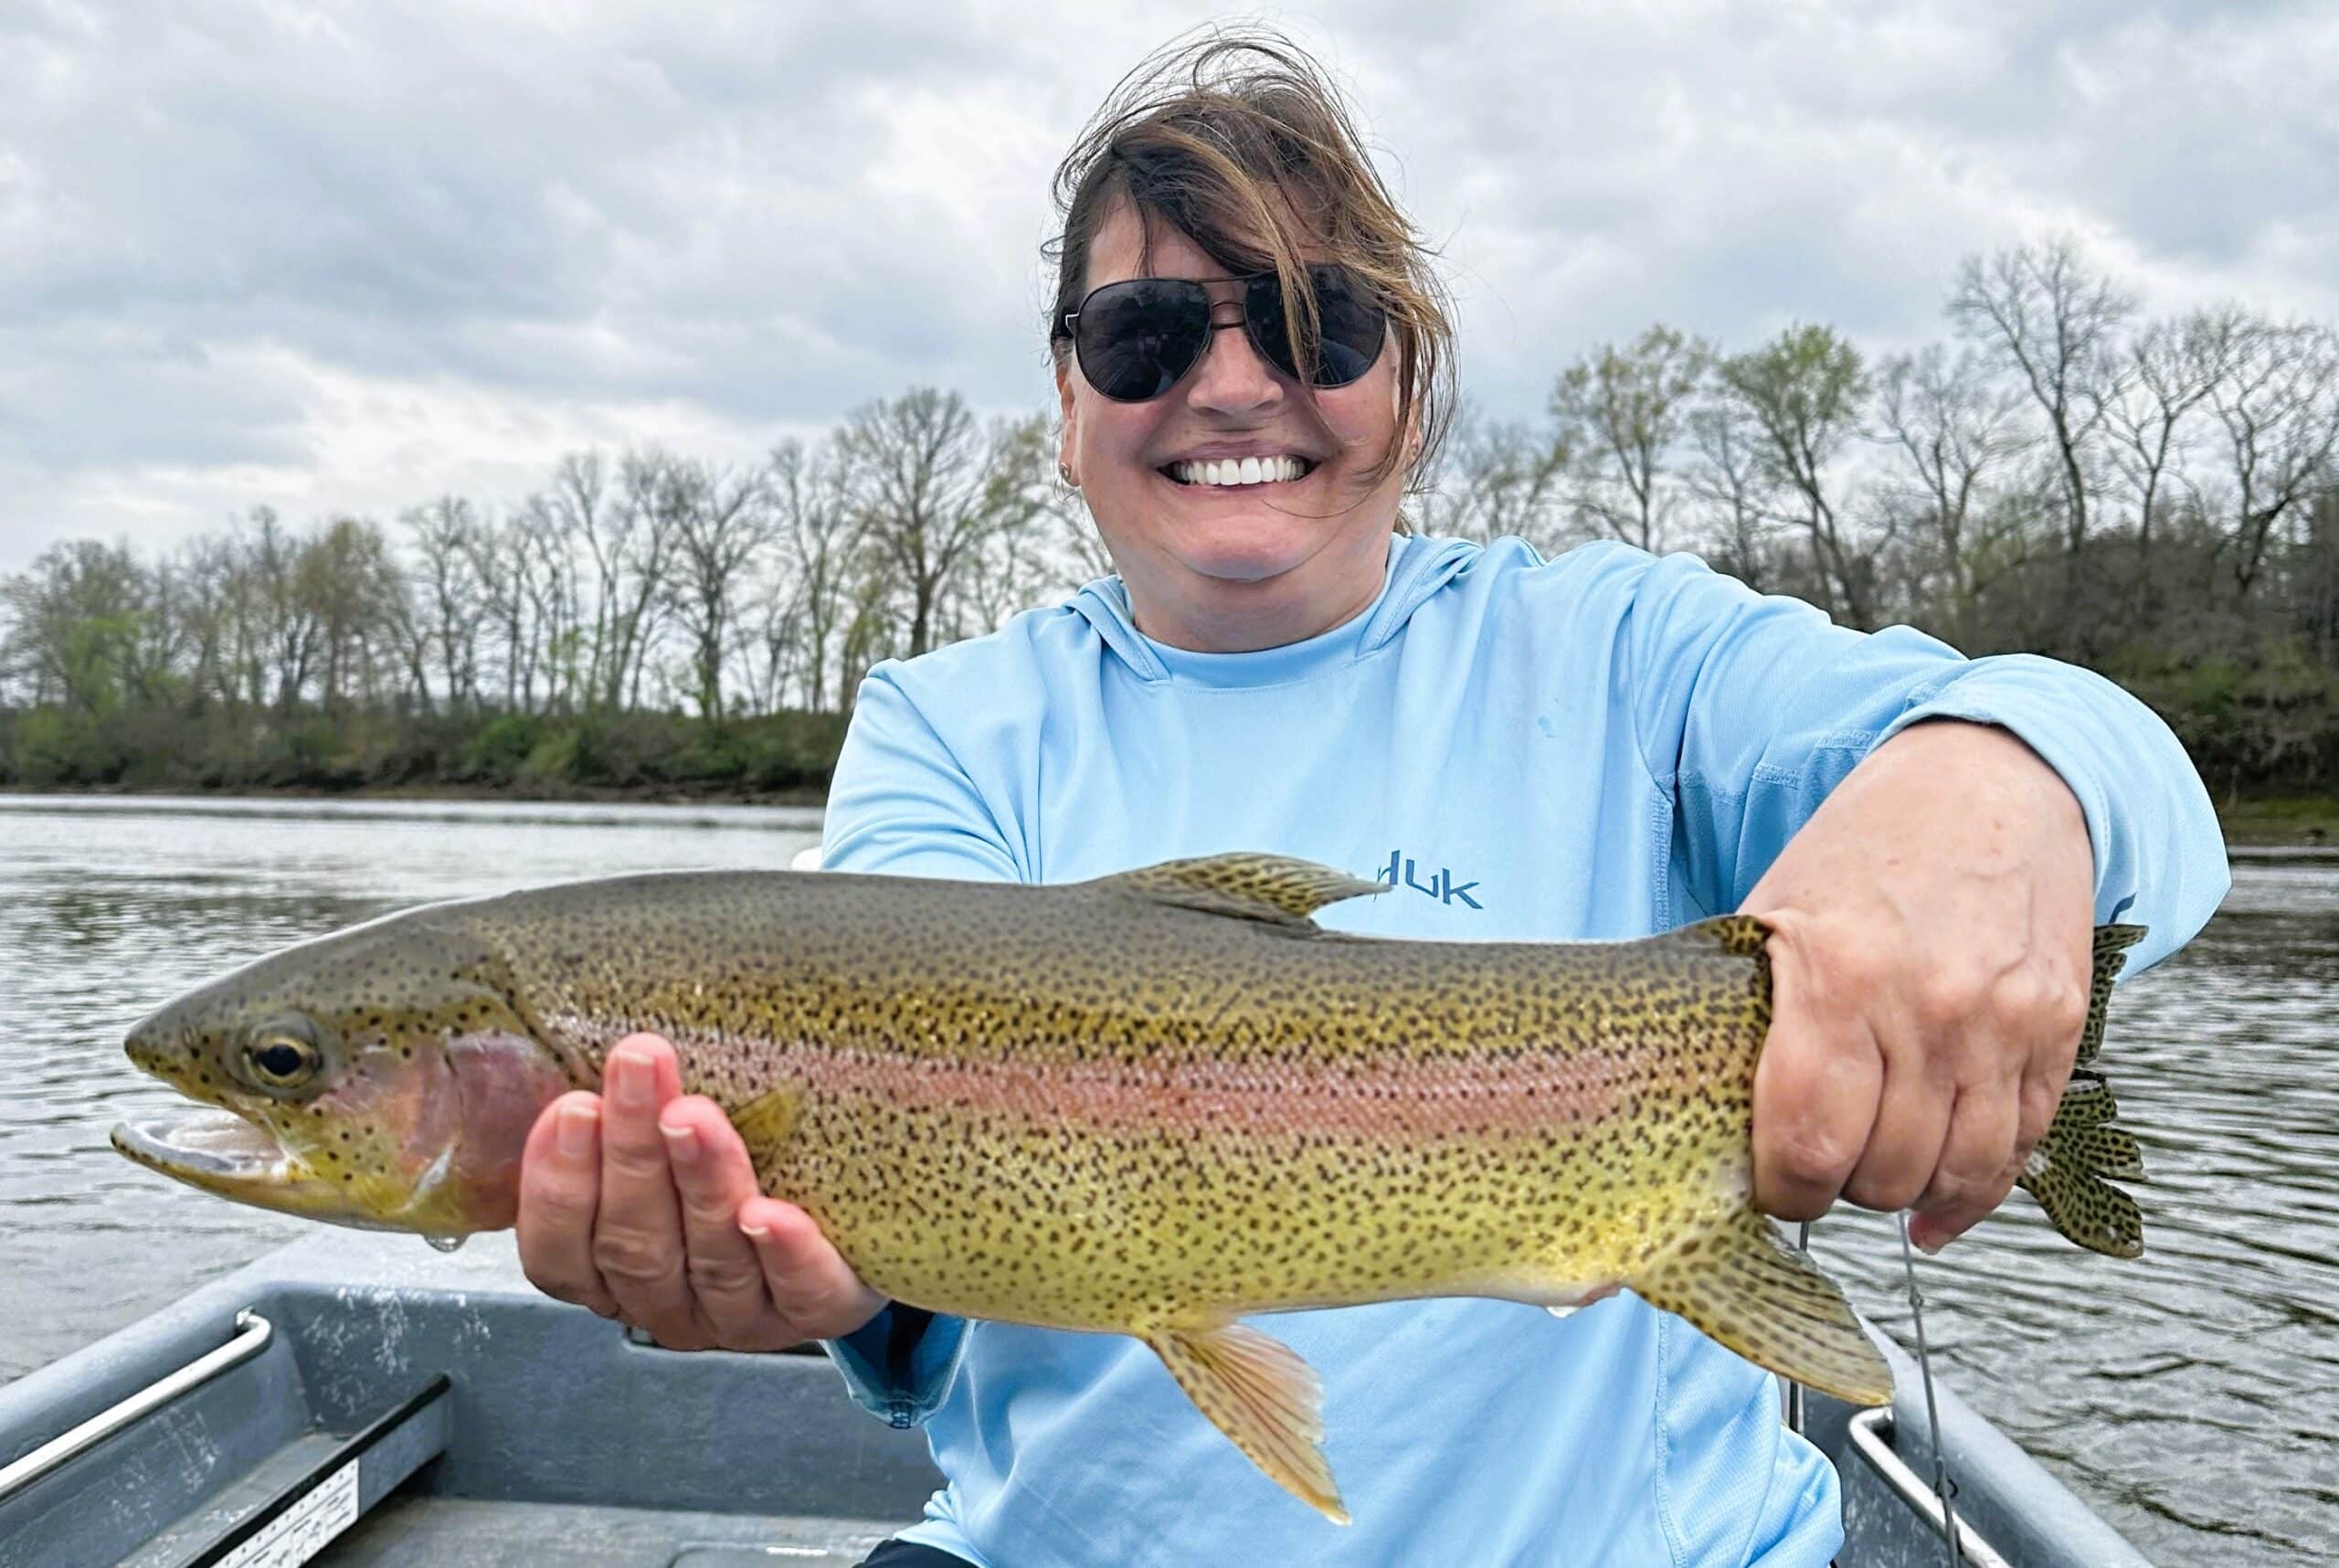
(1152, 1104)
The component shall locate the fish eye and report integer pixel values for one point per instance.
(281, 1061)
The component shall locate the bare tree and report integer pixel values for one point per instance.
(1058, 550)
(2278, 397)
(636, 560)
(545, 532)
(1622, 413)
(1801, 394)
(811, 497)
(1495, 479)
(288, 627)
(351, 589)
(873, 631)
(723, 520)
(1954, 428)
(210, 580)
(450, 601)
(930, 489)
(500, 561)
(626, 533)
(1732, 478)
(1011, 571)
(2055, 323)
(2172, 367)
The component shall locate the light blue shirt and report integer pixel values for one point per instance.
(1604, 745)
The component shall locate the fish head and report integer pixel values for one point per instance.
(382, 1077)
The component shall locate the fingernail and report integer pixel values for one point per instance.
(682, 1144)
(753, 1232)
(574, 1129)
(629, 1081)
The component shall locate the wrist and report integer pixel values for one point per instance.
(1985, 764)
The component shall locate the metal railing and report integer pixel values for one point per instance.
(1872, 1434)
(252, 1335)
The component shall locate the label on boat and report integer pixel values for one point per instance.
(302, 1530)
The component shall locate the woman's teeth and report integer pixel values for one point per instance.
(1239, 470)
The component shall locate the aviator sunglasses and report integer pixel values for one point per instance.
(1137, 338)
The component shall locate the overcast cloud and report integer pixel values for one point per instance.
(344, 257)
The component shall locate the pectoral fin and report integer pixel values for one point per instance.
(765, 1124)
(1261, 1395)
(1746, 1289)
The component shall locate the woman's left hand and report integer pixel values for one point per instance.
(1932, 932)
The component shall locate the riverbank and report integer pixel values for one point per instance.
(2286, 821)
(536, 791)
(645, 756)
(2303, 822)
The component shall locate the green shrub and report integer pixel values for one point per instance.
(500, 749)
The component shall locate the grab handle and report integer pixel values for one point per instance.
(252, 1335)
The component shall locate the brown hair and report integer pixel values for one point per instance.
(1254, 160)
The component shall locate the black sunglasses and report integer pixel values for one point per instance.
(1137, 338)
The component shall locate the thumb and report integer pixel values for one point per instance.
(1816, 1087)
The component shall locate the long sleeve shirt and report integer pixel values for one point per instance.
(1602, 746)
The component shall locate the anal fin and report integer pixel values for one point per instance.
(1747, 1290)
(1266, 1400)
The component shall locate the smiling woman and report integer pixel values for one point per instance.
(1213, 245)
(1252, 363)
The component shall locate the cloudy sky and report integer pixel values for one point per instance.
(350, 254)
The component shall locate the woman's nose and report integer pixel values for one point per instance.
(1233, 374)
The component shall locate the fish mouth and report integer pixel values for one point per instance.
(228, 1155)
(213, 1149)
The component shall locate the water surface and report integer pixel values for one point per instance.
(109, 907)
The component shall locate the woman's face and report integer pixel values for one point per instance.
(1231, 568)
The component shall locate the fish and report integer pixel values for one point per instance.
(1153, 1104)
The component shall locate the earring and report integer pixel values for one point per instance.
(1063, 471)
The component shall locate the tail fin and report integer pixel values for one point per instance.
(2065, 1171)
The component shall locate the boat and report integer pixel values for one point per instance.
(356, 1399)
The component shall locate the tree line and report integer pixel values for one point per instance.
(2154, 497)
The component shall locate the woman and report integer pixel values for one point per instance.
(1249, 349)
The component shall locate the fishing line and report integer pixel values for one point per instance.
(1795, 1389)
(1942, 1484)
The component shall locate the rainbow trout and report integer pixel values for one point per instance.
(1152, 1104)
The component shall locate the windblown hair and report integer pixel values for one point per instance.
(1238, 140)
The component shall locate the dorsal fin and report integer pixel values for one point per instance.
(1271, 888)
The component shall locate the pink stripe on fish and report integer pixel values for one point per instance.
(1409, 1099)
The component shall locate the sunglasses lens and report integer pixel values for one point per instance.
(1352, 326)
(1136, 338)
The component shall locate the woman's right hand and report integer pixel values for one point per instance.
(640, 1204)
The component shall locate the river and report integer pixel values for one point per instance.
(2191, 1398)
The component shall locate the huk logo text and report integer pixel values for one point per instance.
(1441, 887)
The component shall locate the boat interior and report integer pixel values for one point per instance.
(358, 1399)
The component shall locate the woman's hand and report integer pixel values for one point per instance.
(641, 1205)
(1931, 931)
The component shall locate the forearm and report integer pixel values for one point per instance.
(2157, 854)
